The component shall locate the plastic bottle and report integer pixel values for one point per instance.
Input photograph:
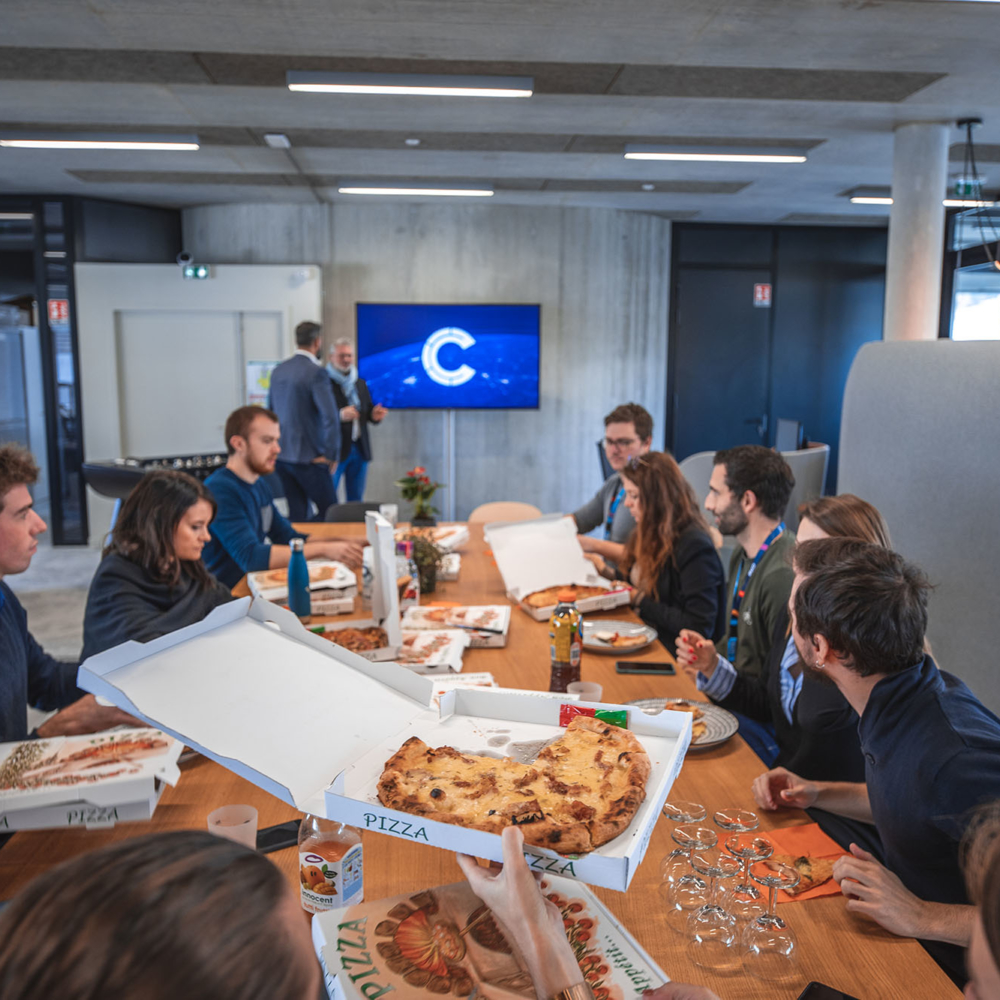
(298, 580)
(331, 871)
(406, 568)
(565, 644)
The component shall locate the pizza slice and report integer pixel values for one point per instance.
(812, 871)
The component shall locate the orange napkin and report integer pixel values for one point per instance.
(811, 842)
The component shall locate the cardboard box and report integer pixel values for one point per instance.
(450, 567)
(542, 553)
(83, 814)
(369, 949)
(492, 616)
(343, 583)
(433, 652)
(314, 724)
(445, 536)
(323, 605)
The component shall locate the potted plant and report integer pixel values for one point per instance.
(428, 558)
(417, 487)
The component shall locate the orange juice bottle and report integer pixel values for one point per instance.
(330, 864)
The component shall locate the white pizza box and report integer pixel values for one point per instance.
(323, 605)
(314, 724)
(544, 552)
(493, 616)
(450, 567)
(83, 814)
(448, 537)
(344, 582)
(437, 652)
(38, 778)
(385, 595)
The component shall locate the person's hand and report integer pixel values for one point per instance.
(85, 716)
(873, 890)
(349, 553)
(679, 991)
(587, 543)
(349, 413)
(780, 788)
(695, 654)
(323, 460)
(599, 564)
(379, 412)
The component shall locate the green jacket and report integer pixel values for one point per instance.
(766, 595)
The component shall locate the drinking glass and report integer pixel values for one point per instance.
(768, 942)
(688, 890)
(676, 863)
(742, 897)
(237, 823)
(711, 927)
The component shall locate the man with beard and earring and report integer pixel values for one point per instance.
(931, 749)
(248, 532)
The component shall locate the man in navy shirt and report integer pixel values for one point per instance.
(248, 532)
(28, 675)
(931, 749)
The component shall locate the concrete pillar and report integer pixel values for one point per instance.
(916, 231)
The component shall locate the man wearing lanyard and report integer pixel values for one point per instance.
(628, 432)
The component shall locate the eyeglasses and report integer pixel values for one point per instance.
(610, 443)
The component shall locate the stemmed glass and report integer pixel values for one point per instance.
(676, 863)
(768, 942)
(688, 891)
(743, 899)
(713, 928)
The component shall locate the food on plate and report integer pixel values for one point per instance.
(812, 871)
(618, 640)
(279, 577)
(581, 791)
(553, 595)
(698, 728)
(421, 648)
(358, 640)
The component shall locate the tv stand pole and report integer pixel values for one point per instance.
(448, 452)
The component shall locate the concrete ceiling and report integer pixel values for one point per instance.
(832, 77)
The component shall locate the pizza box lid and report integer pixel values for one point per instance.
(342, 579)
(534, 555)
(492, 616)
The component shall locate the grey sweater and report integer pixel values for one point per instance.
(594, 512)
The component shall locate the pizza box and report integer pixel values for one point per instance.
(342, 583)
(450, 567)
(323, 605)
(433, 652)
(385, 596)
(492, 616)
(376, 946)
(448, 537)
(313, 724)
(74, 780)
(542, 553)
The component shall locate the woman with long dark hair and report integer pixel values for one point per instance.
(151, 580)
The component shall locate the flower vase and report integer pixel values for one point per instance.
(428, 578)
(423, 517)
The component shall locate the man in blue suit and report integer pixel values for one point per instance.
(302, 397)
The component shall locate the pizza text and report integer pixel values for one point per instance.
(397, 826)
(354, 953)
(557, 865)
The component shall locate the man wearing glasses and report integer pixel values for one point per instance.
(628, 432)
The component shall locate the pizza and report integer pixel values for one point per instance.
(698, 728)
(358, 640)
(812, 871)
(279, 577)
(581, 791)
(619, 641)
(553, 595)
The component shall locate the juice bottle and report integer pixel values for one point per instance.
(330, 864)
(565, 643)
(406, 569)
(298, 580)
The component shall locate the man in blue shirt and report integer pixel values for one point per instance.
(248, 532)
(28, 675)
(931, 749)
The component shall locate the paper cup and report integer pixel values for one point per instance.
(237, 823)
(587, 690)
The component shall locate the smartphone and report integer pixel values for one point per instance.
(645, 667)
(278, 837)
(817, 991)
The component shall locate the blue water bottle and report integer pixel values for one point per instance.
(298, 580)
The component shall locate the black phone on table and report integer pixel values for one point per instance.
(278, 837)
(817, 991)
(645, 667)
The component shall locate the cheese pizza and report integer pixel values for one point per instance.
(553, 595)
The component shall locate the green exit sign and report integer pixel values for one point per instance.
(196, 272)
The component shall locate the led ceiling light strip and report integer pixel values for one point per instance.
(410, 191)
(947, 202)
(410, 84)
(714, 154)
(96, 140)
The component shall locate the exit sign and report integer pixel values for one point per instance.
(762, 296)
(58, 310)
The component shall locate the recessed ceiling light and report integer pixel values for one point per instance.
(713, 154)
(97, 140)
(410, 191)
(419, 84)
(15, 216)
(412, 142)
(277, 140)
(649, 187)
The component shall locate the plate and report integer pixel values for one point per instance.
(719, 724)
(590, 626)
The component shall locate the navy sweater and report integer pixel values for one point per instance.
(244, 527)
(28, 675)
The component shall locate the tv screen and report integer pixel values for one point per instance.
(445, 357)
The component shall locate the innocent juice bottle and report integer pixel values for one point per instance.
(330, 864)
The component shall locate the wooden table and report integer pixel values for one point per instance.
(845, 952)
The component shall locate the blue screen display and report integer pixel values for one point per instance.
(449, 356)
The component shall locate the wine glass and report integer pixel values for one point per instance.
(675, 864)
(743, 898)
(768, 942)
(711, 927)
(689, 890)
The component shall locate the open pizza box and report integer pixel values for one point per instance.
(314, 724)
(328, 579)
(385, 596)
(542, 553)
(494, 617)
(447, 537)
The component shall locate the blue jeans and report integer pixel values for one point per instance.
(304, 482)
(354, 471)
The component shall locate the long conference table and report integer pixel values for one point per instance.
(849, 953)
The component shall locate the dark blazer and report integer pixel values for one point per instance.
(347, 426)
(691, 591)
(310, 422)
(822, 742)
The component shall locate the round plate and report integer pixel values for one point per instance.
(590, 626)
(719, 724)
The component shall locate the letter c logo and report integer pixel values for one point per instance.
(429, 356)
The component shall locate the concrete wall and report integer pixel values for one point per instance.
(600, 275)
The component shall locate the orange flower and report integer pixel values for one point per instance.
(419, 469)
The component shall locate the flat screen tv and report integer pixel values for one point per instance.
(443, 357)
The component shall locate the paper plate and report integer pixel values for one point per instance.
(720, 725)
(595, 645)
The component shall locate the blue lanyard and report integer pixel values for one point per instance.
(619, 496)
(740, 590)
